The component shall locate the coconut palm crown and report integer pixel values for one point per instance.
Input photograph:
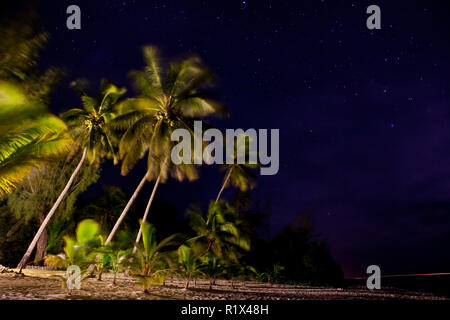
(89, 126)
(169, 98)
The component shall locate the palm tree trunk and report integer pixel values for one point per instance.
(127, 207)
(147, 209)
(210, 243)
(52, 211)
(100, 273)
(224, 184)
(41, 247)
(221, 189)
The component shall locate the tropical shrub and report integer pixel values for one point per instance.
(81, 250)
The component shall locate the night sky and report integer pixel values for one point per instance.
(364, 116)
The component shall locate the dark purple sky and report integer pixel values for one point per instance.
(363, 115)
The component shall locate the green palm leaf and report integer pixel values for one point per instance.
(29, 136)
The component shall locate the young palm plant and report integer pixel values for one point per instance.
(146, 263)
(220, 235)
(212, 267)
(113, 255)
(189, 266)
(169, 98)
(79, 251)
(89, 128)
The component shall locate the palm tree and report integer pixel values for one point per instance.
(189, 266)
(221, 235)
(145, 265)
(89, 128)
(169, 98)
(29, 136)
(239, 174)
(212, 267)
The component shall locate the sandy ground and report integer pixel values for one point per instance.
(37, 284)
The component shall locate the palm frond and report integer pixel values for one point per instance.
(197, 107)
(29, 136)
(88, 103)
(109, 95)
(152, 69)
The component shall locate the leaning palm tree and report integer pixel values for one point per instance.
(169, 98)
(89, 129)
(239, 174)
